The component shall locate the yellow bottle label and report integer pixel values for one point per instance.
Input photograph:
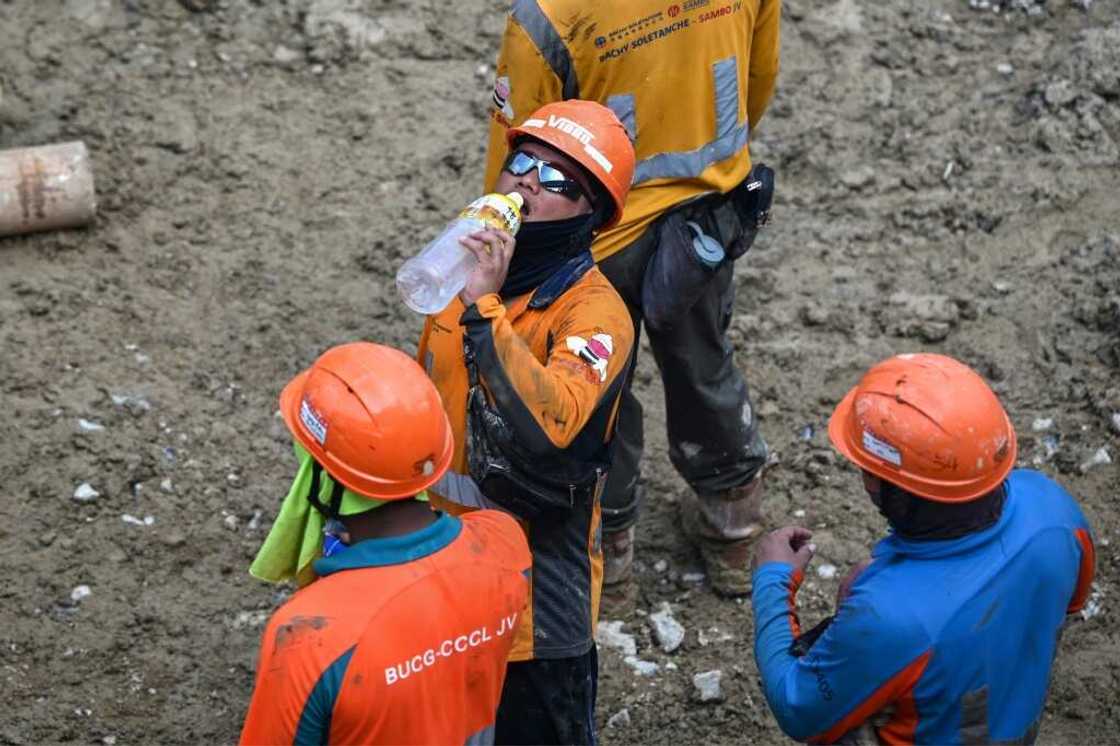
(496, 210)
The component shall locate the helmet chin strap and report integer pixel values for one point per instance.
(329, 511)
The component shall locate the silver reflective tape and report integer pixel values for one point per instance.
(726, 75)
(484, 737)
(462, 490)
(529, 15)
(731, 137)
(623, 107)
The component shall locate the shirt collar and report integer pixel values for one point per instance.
(393, 550)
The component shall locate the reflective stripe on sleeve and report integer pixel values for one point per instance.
(530, 17)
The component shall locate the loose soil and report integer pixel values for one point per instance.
(947, 181)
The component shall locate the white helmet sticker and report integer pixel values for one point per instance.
(313, 422)
(881, 448)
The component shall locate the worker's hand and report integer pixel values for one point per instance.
(493, 249)
(790, 545)
(850, 580)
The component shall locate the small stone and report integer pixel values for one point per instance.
(109, 740)
(707, 685)
(1005, 69)
(175, 539)
(620, 719)
(482, 71)
(89, 426)
(610, 635)
(693, 577)
(660, 566)
(668, 631)
(858, 178)
(826, 571)
(80, 592)
(1116, 421)
(317, 69)
(283, 55)
(133, 520)
(1100, 458)
(231, 522)
(641, 667)
(86, 493)
(255, 521)
(799, 513)
(167, 486)
(1002, 287)
(1042, 424)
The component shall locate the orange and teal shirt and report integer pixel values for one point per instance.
(400, 640)
(947, 641)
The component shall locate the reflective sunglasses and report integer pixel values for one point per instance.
(551, 178)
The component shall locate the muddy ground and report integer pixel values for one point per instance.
(947, 181)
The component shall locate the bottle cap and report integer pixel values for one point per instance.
(517, 199)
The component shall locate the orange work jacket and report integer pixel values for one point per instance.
(401, 640)
(552, 361)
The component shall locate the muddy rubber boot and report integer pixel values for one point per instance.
(725, 526)
(620, 592)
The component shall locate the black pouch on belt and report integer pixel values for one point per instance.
(696, 239)
(524, 483)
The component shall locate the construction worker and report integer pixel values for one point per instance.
(530, 359)
(948, 634)
(689, 79)
(402, 626)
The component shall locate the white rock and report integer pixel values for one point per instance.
(89, 426)
(826, 571)
(610, 635)
(79, 592)
(641, 667)
(1100, 458)
(86, 493)
(231, 522)
(109, 740)
(693, 577)
(1005, 68)
(620, 719)
(668, 631)
(1042, 424)
(660, 565)
(145, 521)
(255, 521)
(707, 685)
(1116, 421)
(1093, 605)
(713, 635)
(249, 619)
(285, 55)
(167, 486)
(799, 513)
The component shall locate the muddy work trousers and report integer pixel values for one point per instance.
(549, 701)
(714, 442)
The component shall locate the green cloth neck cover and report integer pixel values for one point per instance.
(296, 537)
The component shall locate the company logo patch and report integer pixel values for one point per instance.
(596, 352)
(881, 448)
(600, 41)
(501, 97)
(313, 422)
(674, 11)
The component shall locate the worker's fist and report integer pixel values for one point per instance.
(790, 545)
(493, 249)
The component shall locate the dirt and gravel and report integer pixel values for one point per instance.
(948, 181)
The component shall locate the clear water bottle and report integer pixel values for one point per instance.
(428, 281)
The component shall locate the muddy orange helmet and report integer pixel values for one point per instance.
(591, 135)
(372, 418)
(927, 424)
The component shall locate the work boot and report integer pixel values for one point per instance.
(620, 592)
(725, 526)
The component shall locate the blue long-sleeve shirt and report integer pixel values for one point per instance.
(943, 641)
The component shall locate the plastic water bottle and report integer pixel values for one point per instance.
(428, 281)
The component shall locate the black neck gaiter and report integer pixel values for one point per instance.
(542, 248)
(925, 520)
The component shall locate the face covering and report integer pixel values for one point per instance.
(542, 248)
(925, 520)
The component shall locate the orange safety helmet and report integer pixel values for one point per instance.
(372, 418)
(591, 135)
(927, 424)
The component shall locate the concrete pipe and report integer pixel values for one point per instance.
(45, 188)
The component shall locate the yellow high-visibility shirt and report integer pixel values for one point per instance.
(688, 79)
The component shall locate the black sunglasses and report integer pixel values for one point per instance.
(551, 178)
